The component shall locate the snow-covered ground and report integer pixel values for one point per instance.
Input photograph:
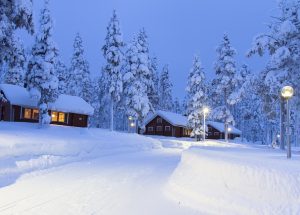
(25, 148)
(63, 170)
(237, 179)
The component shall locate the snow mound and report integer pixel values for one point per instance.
(232, 180)
(25, 148)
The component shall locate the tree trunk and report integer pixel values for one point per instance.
(112, 115)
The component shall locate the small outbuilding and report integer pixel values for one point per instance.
(18, 106)
(165, 123)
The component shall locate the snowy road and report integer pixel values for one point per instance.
(130, 183)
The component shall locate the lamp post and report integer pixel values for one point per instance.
(130, 120)
(205, 111)
(287, 92)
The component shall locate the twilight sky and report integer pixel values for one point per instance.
(177, 29)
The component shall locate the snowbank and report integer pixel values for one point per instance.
(234, 180)
(24, 147)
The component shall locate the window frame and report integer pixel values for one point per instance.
(57, 120)
(169, 128)
(150, 129)
(161, 128)
(159, 120)
(23, 112)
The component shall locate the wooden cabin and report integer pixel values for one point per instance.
(18, 106)
(164, 123)
(216, 131)
(167, 124)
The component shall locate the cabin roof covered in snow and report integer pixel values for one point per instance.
(220, 126)
(173, 118)
(17, 95)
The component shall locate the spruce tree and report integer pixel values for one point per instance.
(196, 89)
(225, 68)
(177, 107)
(136, 81)
(112, 52)
(62, 75)
(13, 15)
(165, 90)
(16, 66)
(41, 80)
(153, 92)
(79, 83)
(282, 45)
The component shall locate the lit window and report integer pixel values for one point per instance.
(167, 128)
(150, 129)
(54, 116)
(159, 128)
(35, 114)
(61, 117)
(27, 113)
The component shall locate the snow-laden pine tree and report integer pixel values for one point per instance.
(62, 75)
(41, 80)
(177, 107)
(246, 104)
(112, 52)
(153, 93)
(225, 68)
(196, 90)
(79, 80)
(137, 102)
(15, 73)
(13, 15)
(282, 44)
(165, 90)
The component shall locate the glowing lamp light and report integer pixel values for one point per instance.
(130, 118)
(132, 124)
(229, 129)
(206, 110)
(287, 92)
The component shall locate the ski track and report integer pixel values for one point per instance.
(130, 183)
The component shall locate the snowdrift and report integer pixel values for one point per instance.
(25, 148)
(227, 180)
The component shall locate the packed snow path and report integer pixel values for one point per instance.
(130, 183)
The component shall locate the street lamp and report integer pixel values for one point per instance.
(287, 92)
(205, 111)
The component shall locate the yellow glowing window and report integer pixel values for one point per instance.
(35, 114)
(57, 116)
(61, 117)
(54, 116)
(27, 113)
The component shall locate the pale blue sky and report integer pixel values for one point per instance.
(177, 29)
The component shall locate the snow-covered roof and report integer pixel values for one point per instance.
(17, 95)
(220, 126)
(173, 118)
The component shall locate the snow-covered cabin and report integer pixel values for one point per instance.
(216, 131)
(165, 123)
(18, 106)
